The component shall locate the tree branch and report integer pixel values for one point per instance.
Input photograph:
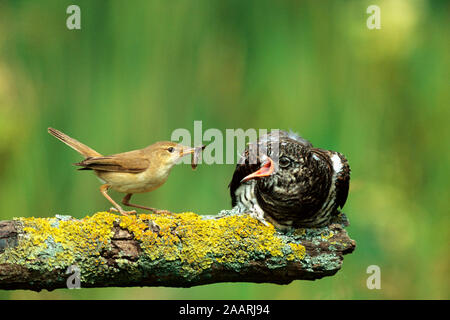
(179, 250)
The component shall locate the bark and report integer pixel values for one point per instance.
(179, 250)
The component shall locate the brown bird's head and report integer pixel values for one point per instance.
(169, 153)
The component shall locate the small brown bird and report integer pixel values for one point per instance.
(130, 172)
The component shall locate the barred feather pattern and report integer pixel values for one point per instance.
(306, 189)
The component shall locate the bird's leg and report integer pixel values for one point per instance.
(126, 201)
(104, 189)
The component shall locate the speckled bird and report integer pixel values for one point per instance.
(283, 179)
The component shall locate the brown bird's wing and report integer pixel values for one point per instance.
(132, 162)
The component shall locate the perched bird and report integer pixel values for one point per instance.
(130, 172)
(290, 183)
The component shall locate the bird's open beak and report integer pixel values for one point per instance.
(266, 170)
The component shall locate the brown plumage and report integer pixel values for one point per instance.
(74, 144)
(136, 171)
(133, 162)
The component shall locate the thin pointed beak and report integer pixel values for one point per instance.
(266, 170)
(187, 150)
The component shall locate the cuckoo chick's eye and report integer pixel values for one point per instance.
(284, 162)
(171, 149)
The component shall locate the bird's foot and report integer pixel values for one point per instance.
(122, 212)
(157, 211)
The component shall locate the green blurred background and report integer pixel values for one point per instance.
(138, 70)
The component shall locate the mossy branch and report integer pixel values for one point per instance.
(179, 250)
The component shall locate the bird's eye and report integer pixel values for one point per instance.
(171, 149)
(284, 162)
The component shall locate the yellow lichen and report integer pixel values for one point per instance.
(69, 238)
(327, 236)
(195, 242)
(198, 242)
(300, 232)
(298, 251)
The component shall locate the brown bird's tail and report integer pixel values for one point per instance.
(74, 144)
